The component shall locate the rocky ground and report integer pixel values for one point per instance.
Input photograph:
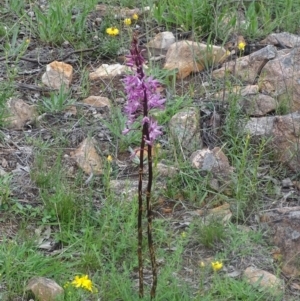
(84, 127)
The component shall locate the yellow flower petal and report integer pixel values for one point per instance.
(241, 46)
(127, 21)
(77, 281)
(135, 16)
(112, 31)
(109, 158)
(216, 265)
(83, 282)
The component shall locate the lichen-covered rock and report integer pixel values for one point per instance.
(282, 39)
(283, 132)
(264, 280)
(45, 289)
(97, 101)
(188, 56)
(185, 129)
(162, 40)
(284, 225)
(108, 71)
(58, 74)
(247, 68)
(280, 79)
(258, 105)
(215, 162)
(19, 113)
(87, 158)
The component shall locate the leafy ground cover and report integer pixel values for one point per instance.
(60, 224)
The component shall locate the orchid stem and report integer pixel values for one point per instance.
(140, 213)
(142, 97)
(149, 229)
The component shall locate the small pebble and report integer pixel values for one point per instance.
(287, 182)
(30, 14)
(98, 21)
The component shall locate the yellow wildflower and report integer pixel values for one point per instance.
(83, 282)
(112, 31)
(216, 265)
(27, 41)
(135, 17)
(183, 234)
(241, 46)
(127, 21)
(109, 158)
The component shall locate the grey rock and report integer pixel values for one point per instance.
(188, 56)
(45, 289)
(260, 127)
(280, 78)
(215, 162)
(185, 129)
(284, 39)
(19, 113)
(258, 105)
(287, 182)
(247, 68)
(264, 280)
(284, 225)
(284, 132)
(165, 170)
(162, 40)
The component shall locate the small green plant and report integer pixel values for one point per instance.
(59, 201)
(6, 91)
(109, 46)
(210, 232)
(187, 183)
(242, 241)
(13, 48)
(58, 24)
(165, 77)
(5, 191)
(116, 125)
(56, 102)
(284, 105)
(14, 6)
(60, 206)
(173, 106)
(19, 261)
(85, 83)
(225, 288)
(197, 15)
